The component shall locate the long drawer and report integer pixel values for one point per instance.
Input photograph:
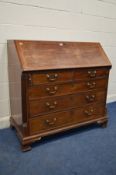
(35, 92)
(65, 118)
(42, 77)
(51, 104)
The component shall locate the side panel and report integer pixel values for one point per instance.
(15, 75)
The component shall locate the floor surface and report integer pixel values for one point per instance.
(89, 150)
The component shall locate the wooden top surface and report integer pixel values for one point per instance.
(45, 55)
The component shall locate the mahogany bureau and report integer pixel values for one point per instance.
(56, 86)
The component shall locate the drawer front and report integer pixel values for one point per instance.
(65, 118)
(48, 105)
(66, 75)
(90, 73)
(50, 76)
(35, 92)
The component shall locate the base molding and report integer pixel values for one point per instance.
(26, 139)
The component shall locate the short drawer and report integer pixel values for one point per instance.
(51, 104)
(36, 92)
(90, 73)
(65, 118)
(37, 78)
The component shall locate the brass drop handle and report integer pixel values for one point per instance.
(89, 112)
(51, 106)
(55, 88)
(91, 84)
(92, 73)
(90, 98)
(52, 77)
(51, 122)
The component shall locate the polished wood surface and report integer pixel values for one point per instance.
(36, 92)
(14, 72)
(41, 77)
(37, 78)
(58, 85)
(58, 103)
(59, 119)
(42, 55)
(91, 73)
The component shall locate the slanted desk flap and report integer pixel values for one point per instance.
(45, 55)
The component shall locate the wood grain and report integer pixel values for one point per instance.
(59, 85)
(59, 119)
(40, 55)
(35, 92)
(58, 103)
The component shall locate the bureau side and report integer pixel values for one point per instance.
(15, 73)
